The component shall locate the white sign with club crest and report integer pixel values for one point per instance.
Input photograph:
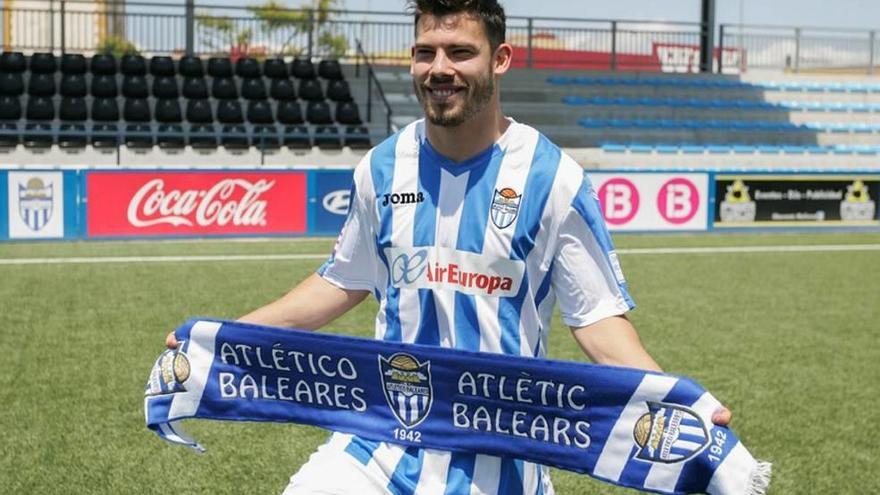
(36, 205)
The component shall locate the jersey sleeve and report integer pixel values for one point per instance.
(353, 264)
(587, 277)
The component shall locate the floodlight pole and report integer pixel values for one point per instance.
(707, 35)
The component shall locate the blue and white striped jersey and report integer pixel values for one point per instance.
(473, 255)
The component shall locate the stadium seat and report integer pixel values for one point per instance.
(104, 86)
(229, 112)
(318, 112)
(310, 89)
(347, 113)
(275, 68)
(11, 83)
(162, 66)
(73, 109)
(41, 84)
(195, 88)
(165, 87)
(330, 69)
(202, 135)
(190, 66)
(259, 113)
(289, 112)
(73, 113)
(297, 137)
(247, 67)
(302, 68)
(103, 63)
(73, 63)
(282, 89)
(43, 63)
(219, 67)
(338, 90)
(13, 62)
(40, 113)
(133, 65)
(328, 137)
(136, 112)
(10, 110)
(169, 133)
(168, 111)
(73, 85)
(134, 86)
(253, 88)
(223, 88)
(105, 114)
(357, 137)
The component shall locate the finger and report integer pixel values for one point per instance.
(722, 416)
(171, 341)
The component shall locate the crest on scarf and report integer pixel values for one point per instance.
(35, 203)
(669, 433)
(407, 386)
(168, 374)
(505, 207)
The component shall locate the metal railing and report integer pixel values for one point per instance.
(372, 82)
(563, 43)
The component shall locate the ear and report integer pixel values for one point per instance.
(502, 58)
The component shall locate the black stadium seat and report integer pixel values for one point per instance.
(72, 135)
(136, 112)
(105, 114)
(104, 86)
(259, 113)
(73, 85)
(13, 62)
(253, 89)
(161, 65)
(219, 67)
(275, 68)
(328, 137)
(302, 68)
(190, 66)
(10, 110)
(318, 113)
(165, 87)
(347, 113)
(234, 134)
(41, 84)
(357, 137)
(169, 132)
(134, 87)
(73, 63)
(133, 65)
(43, 63)
(330, 69)
(282, 89)
(73, 109)
(195, 87)
(73, 114)
(198, 113)
(247, 67)
(297, 137)
(223, 88)
(310, 89)
(338, 90)
(229, 112)
(11, 83)
(289, 112)
(40, 113)
(103, 63)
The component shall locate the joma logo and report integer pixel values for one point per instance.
(402, 198)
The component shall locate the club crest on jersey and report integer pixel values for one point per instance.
(669, 433)
(505, 207)
(407, 386)
(35, 203)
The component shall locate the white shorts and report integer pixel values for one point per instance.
(333, 471)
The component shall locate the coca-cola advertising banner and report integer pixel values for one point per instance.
(193, 203)
(635, 201)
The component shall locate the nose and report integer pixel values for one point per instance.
(441, 65)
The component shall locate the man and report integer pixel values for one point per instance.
(437, 211)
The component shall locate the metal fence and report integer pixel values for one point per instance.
(808, 49)
(166, 28)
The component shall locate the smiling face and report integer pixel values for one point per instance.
(452, 67)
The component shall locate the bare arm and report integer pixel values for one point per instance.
(614, 341)
(310, 305)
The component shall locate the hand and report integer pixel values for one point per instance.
(171, 341)
(721, 417)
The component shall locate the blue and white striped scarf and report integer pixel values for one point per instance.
(634, 428)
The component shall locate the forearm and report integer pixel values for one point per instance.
(614, 341)
(310, 305)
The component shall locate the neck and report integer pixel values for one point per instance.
(471, 137)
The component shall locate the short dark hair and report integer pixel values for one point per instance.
(489, 11)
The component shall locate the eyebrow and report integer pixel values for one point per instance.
(449, 46)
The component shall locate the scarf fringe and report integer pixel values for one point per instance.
(759, 481)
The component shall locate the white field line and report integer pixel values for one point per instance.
(286, 257)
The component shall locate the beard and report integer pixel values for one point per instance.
(476, 97)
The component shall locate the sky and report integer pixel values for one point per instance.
(854, 14)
